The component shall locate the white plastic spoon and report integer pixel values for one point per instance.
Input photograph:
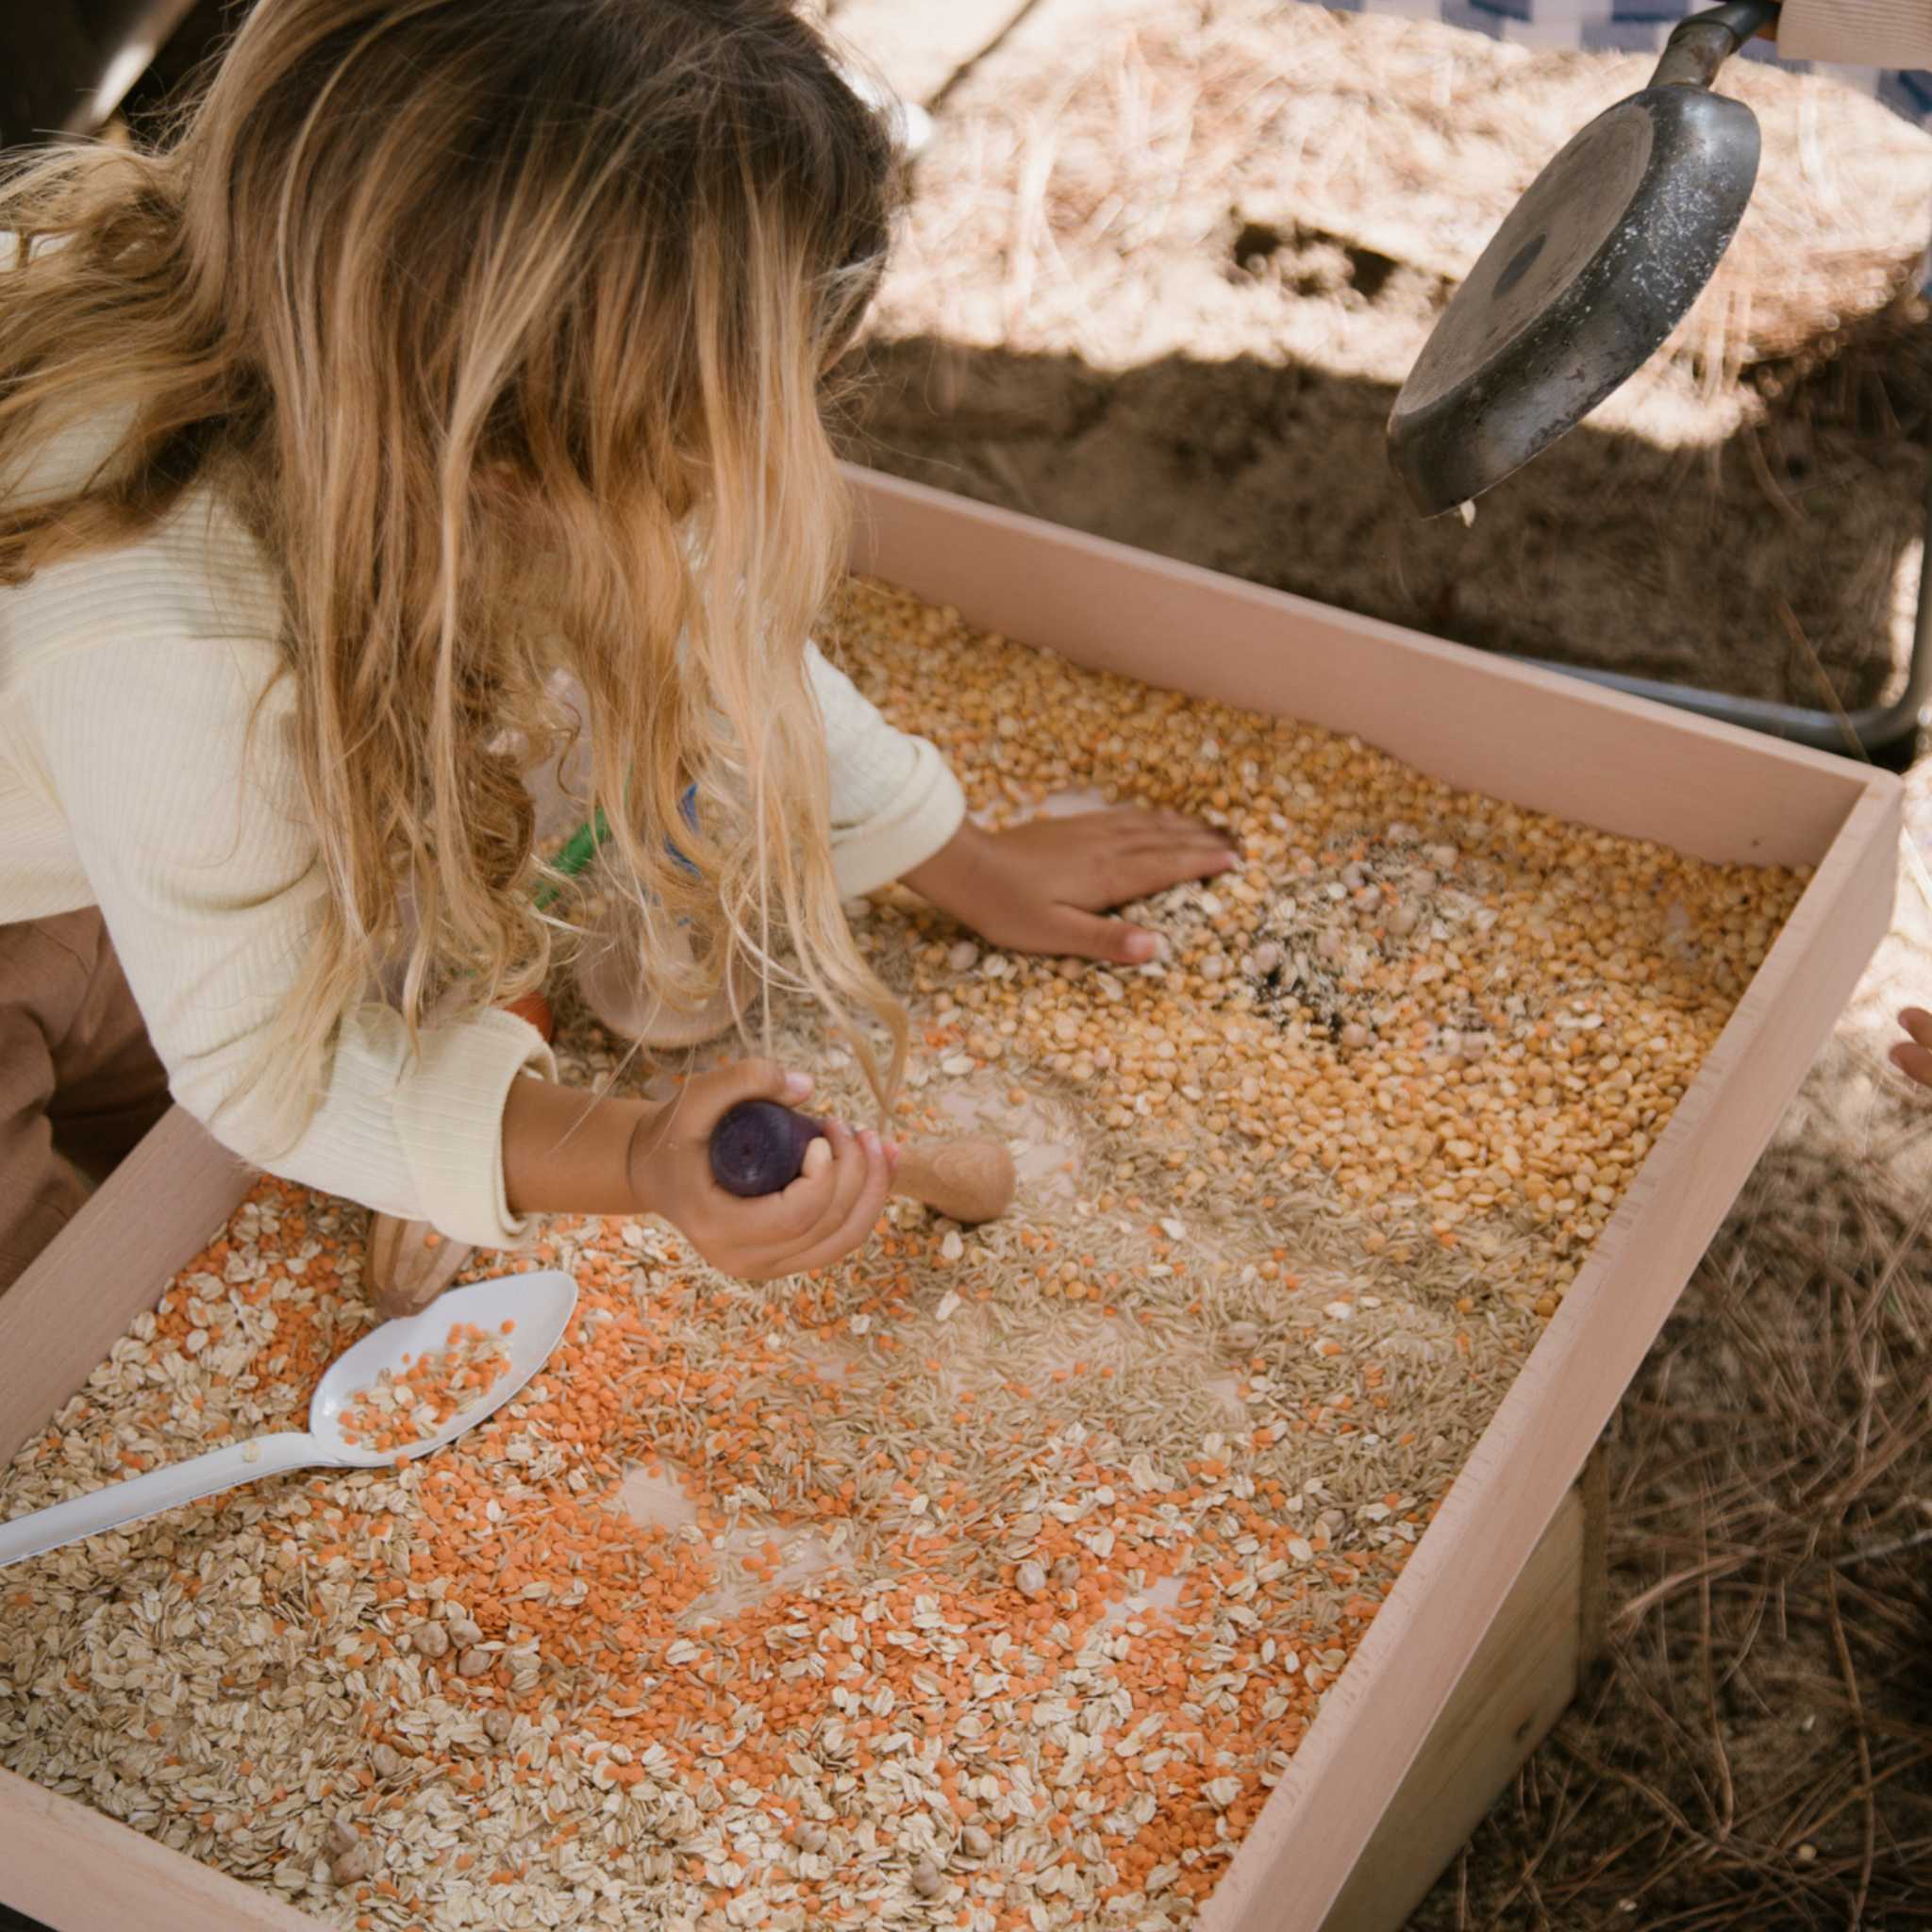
(540, 1304)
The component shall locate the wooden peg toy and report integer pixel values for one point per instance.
(408, 1264)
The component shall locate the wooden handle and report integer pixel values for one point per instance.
(758, 1148)
(408, 1264)
(970, 1179)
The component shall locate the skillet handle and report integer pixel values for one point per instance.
(1699, 45)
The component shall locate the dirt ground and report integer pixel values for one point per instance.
(1165, 266)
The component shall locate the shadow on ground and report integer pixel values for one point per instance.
(1713, 566)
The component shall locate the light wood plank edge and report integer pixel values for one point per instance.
(1535, 738)
(1594, 1487)
(76, 1869)
(1520, 1681)
(154, 1212)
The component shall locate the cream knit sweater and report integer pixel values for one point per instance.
(127, 684)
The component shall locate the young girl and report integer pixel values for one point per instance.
(454, 344)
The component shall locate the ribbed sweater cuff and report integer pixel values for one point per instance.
(449, 1118)
(1857, 33)
(928, 810)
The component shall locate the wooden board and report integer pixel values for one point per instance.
(75, 1870)
(161, 1206)
(1534, 738)
(1407, 1734)
(1519, 1683)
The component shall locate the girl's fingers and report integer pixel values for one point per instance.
(1088, 936)
(709, 1099)
(1188, 857)
(854, 1158)
(817, 1242)
(1136, 823)
(861, 1216)
(858, 1226)
(1179, 825)
(1918, 1023)
(771, 1226)
(1127, 875)
(1184, 839)
(1914, 1062)
(823, 1202)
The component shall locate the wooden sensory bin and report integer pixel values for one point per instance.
(1480, 1644)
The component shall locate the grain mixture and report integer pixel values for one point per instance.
(991, 1579)
(432, 1391)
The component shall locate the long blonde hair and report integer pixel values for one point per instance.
(500, 323)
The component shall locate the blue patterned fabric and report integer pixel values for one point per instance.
(689, 803)
(1633, 26)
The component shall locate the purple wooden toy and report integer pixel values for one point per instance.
(759, 1147)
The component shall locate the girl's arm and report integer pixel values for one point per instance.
(196, 841)
(569, 1151)
(894, 803)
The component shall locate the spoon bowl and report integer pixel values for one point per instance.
(540, 1304)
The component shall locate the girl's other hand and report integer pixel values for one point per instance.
(1913, 1057)
(822, 1217)
(1045, 886)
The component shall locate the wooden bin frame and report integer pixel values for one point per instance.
(1479, 1645)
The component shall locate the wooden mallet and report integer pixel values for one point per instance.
(758, 1148)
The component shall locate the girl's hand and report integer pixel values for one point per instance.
(1042, 887)
(1913, 1057)
(822, 1216)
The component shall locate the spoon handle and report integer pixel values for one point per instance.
(166, 1488)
